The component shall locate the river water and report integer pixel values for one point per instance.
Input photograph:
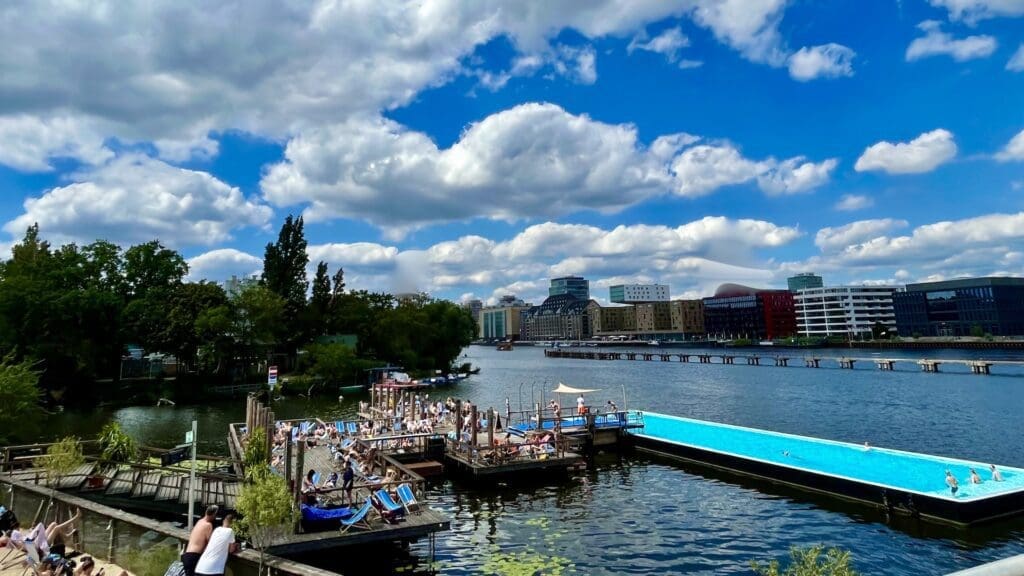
(633, 515)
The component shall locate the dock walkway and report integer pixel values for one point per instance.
(976, 366)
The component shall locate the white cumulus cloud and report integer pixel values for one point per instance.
(1016, 62)
(935, 42)
(29, 143)
(704, 168)
(855, 232)
(669, 43)
(223, 263)
(134, 199)
(974, 10)
(1014, 149)
(825, 61)
(922, 154)
(854, 202)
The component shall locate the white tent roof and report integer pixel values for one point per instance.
(563, 389)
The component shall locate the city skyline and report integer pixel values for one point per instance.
(471, 150)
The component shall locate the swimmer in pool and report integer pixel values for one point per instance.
(951, 482)
(867, 446)
(975, 479)
(785, 453)
(996, 476)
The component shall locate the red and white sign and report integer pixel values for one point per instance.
(272, 375)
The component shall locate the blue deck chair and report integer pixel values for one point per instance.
(408, 499)
(398, 425)
(352, 428)
(358, 519)
(340, 427)
(347, 443)
(316, 479)
(295, 434)
(389, 510)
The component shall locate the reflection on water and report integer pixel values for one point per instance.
(634, 515)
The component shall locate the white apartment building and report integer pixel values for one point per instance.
(636, 293)
(843, 310)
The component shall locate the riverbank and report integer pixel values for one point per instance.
(965, 343)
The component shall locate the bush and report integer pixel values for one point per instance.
(809, 562)
(254, 458)
(296, 385)
(116, 444)
(267, 513)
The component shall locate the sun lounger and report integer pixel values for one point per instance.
(340, 427)
(408, 499)
(295, 434)
(352, 428)
(390, 511)
(358, 519)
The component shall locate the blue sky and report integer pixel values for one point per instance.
(472, 149)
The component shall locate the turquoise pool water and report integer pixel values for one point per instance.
(906, 471)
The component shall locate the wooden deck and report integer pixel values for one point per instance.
(414, 527)
(481, 470)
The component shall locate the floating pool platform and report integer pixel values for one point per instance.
(894, 480)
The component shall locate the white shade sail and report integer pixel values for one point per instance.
(563, 389)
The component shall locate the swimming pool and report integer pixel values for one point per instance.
(829, 465)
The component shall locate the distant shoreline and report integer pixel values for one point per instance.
(876, 344)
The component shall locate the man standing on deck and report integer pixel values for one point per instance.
(581, 406)
(198, 540)
(951, 482)
(215, 557)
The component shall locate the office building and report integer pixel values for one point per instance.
(688, 318)
(559, 317)
(577, 286)
(501, 322)
(965, 307)
(851, 311)
(474, 307)
(636, 293)
(742, 312)
(606, 320)
(804, 281)
(653, 317)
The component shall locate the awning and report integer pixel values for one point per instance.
(563, 389)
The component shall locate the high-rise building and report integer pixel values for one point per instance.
(851, 311)
(966, 307)
(501, 322)
(804, 281)
(578, 286)
(474, 307)
(742, 312)
(634, 293)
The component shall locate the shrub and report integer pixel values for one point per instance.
(809, 562)
(254, 458)
(153, 561)
(21, 399)
(61, 459)
(116, 444)
(267, 513)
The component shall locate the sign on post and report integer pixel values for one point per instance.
(272, 376)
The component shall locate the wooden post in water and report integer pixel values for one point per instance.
(540, 423)
(474, 425)
(458, 422)
(270, 429)
(490, 427)
(300, 469)
(288, 477)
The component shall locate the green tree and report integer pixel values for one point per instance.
(335, 363)
(258, 314)
(60, 460)
(977, 331)
(267, 512)
(809, 562)
(150, 266)
(284, 273)
(188, 302)
(879, 331)
(21, 399)
(318, 312)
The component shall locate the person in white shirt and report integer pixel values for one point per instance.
(581, 405)
(222, 543)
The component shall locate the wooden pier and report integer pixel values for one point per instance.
(931, 365)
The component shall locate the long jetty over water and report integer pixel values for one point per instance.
(783, 360)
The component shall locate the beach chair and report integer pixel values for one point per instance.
(347, 443)
(340, 427)
(358, 519)
(304, 427)
(408, 499)
(295, 434)
(390, 511)
(352, 428)
(398, 425)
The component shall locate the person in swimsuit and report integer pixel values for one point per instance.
(996, 476)
(975, 479)
(951, 482)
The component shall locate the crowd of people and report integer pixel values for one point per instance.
(45, 549)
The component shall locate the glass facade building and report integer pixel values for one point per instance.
(741, 312)
(971, 306)
(804, 281)
(577, 286)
